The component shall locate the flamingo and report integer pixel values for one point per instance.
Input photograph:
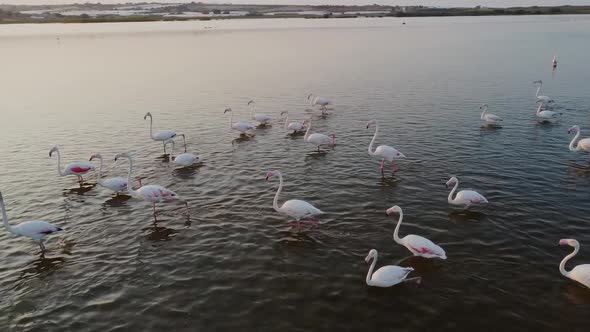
(184, 159)
(151, 193)
(580, 273)
(544, 115)
(583, 144)
(76, 168)
(418, 245)
(34, 229)
(488, 117)
(323, 102)
(387, 276)
(318, 139)
(162, 135)
(464, 198)
(546, 100)
(554, 62)
(262, 119)
(385, 152)
(242, 127)
(293, 208)
(295, 125)
(116, 184)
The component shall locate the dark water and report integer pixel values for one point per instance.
(233, 264)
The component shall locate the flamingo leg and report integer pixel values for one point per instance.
(417, 280)
(164, 144)
(382, 165)
(41, 245)
(318, 149)
(395, 168)
(154, 209)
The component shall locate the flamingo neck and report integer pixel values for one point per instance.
(99, 174)
(370, 273)
(252, 111)
(231, 118)
(396, 237)
(371, 152)
(275, 203)
(306, 137)
(287, 121)
(483, 113)
(5, 217)
(538, 89)
(130, 189)
(151, 124)
(567, 258)
(572, 147)
(59, 171)
(450, 199)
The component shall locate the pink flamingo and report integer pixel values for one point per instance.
(34, 229)
(150, 193)
(76, 168)
(418, 245)
(383, 151)
(580, 273)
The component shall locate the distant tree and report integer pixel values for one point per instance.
(226, 12)
(84, 16)
(555, 10)
(216, 11)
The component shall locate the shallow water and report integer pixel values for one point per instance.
(232, 264)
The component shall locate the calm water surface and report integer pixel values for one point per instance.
(232, 265)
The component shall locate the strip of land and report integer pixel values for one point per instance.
(141, 12)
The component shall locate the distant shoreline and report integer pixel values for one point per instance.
(98, 13)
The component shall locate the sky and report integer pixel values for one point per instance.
(439, 3)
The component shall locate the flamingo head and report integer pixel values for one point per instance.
(399, 155)
(371, 123)
(573, 128)
(538, 82)
(393, 209)
(122, 155)
(569, 242)
(95, 156)
(53, 149)
(146, 115)
(309, 96)
(227, 110)
(284, 112)
(251, 102)
(483, 106)
(333, 136)
(372, 254)
(270, 174)
(451, 181)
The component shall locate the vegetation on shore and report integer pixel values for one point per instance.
(145, 12)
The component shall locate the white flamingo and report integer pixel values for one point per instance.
(293, 208)
(241, 126)
(385, 152)
(554, 62)
(387, 276)
(296, 126)
(544, 115)
(185, 159)
(465, 198)
(150, 193)
(162, 135)
(76, 168)
(418, 245)
(580, 273)
(323, 102)
(318, 139)
(488, 117)
(583, 144)
(116, 184)
(262, 119)
(546, 100)
(34, 229)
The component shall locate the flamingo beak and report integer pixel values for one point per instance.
(563, 243)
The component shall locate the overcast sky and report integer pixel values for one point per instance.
(442, 3)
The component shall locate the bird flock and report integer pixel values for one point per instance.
(302, 212)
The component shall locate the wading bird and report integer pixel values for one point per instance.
(150, 193)
(34, 229)
(296, 126)
(78, 168)
(184, 159)
(488, 117)
(546, 100)
(162, 135)
(465, 198)
(544, 115)
(262, 119)
(583, 144)
(323, 102)
(385, 152)
(241, 126)
(116, 184)
(418, 245)
(318, 139)
(580, 273)
(302, 211)
(386, 276)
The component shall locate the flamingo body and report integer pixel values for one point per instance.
(296, 126)
(163, 135)
(544, 115)
(385, 276)
(318, 139)
(187, 159)
(262, 119)
(465, 198)
(488, 117)
(78, 169)
(416, 244)
(582, 144)
(388, 153)
(580, 273)
(241, 126)
(116, 184)
(156, 194)
(299, 209)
